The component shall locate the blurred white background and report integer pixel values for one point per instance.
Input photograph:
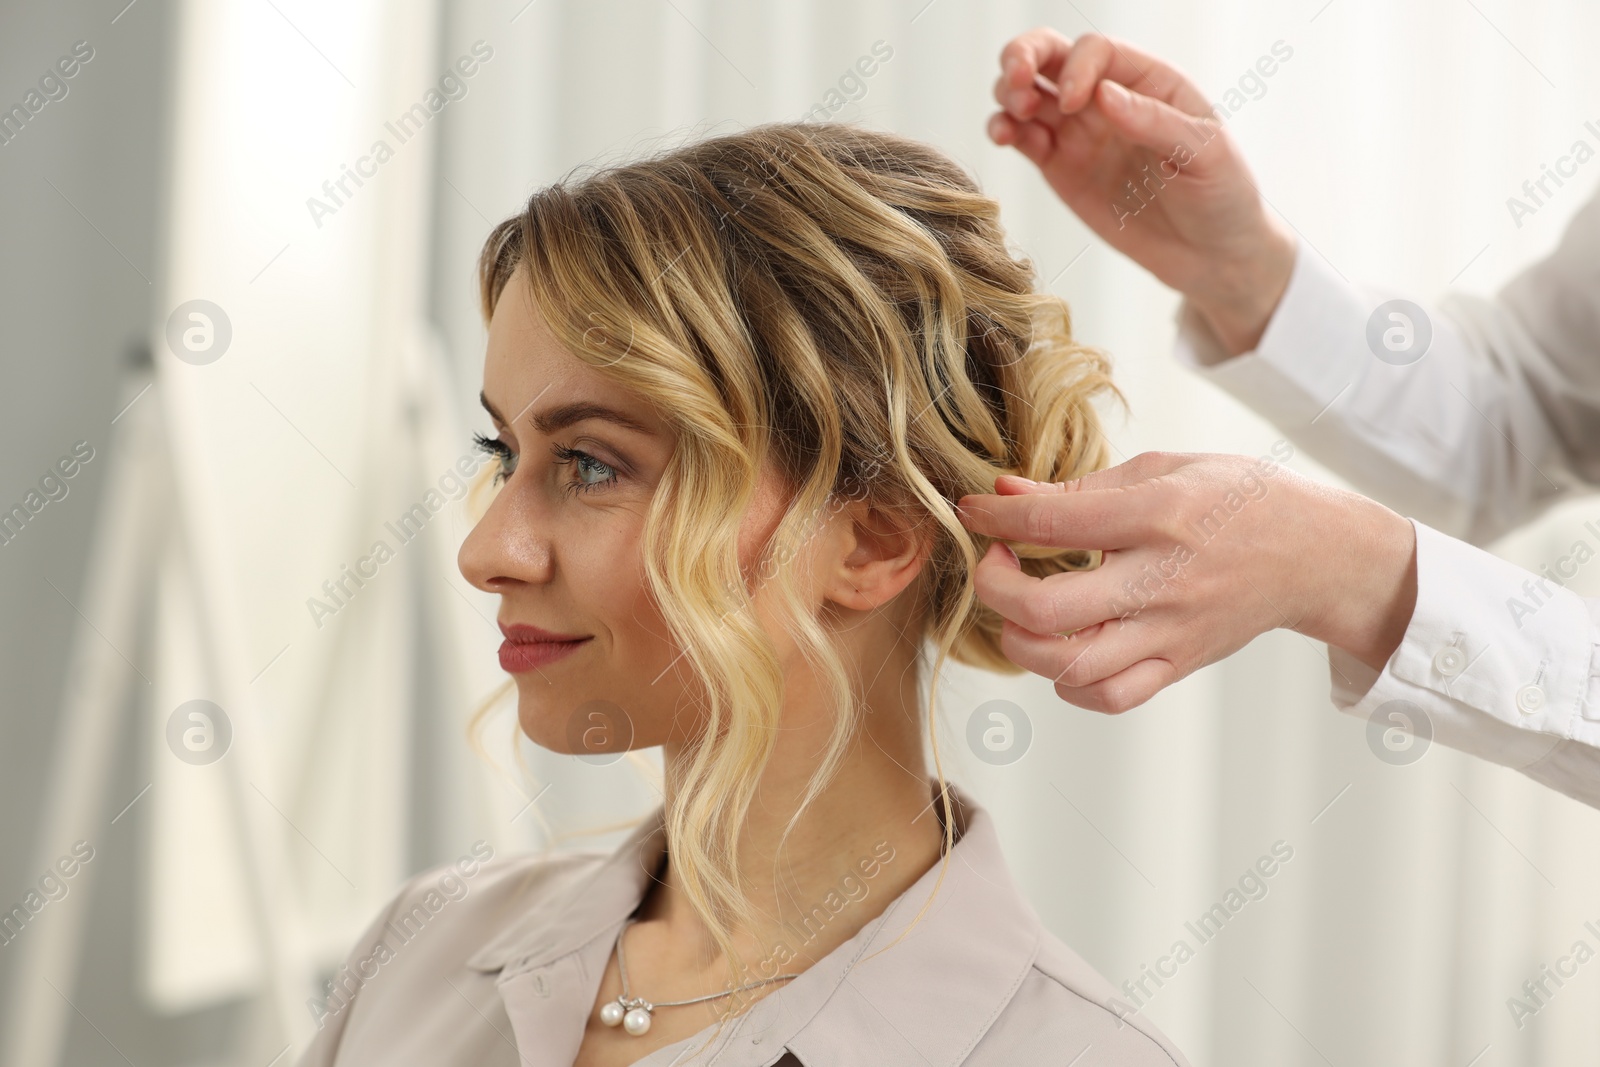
(178, 566)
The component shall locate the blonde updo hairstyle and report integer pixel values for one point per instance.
(843, 301)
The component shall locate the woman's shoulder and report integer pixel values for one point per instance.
(441, 920)
(1062, 1007)
(483, 880)
(477, 898)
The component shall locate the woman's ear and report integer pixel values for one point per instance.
(878, 553)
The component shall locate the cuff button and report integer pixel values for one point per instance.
(1530, 698)
(1450, 661)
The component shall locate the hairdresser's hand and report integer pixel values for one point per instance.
(1191, 215)
(1200, 554)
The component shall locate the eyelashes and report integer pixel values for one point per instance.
(501, 452)
(498, 451)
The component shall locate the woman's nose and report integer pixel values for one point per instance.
(509, 544)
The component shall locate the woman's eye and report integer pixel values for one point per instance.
(499, 451)
(585, 465)
(591, 472)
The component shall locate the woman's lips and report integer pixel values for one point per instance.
(527, 647)
(522, 632)
(518, 656)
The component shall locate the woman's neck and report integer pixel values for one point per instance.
(862, 842)
(866, 838)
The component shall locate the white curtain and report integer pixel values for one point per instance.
(1417, 900)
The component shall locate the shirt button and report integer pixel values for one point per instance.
(540, 985)
(1530, 698)
(1449, 661)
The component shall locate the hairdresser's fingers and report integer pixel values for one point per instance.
(1055, 604)
(1041, 50)
(1125, 690)
(1097, 518)
(1149, 122)
(1023, 99)
(1034, 140)
(1056, 517)
(1141, 468)
(1089, 655)
(1094, 57)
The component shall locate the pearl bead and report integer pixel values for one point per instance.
(611, 1013)
(636, 1022)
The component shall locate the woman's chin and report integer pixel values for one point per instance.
(596, 727)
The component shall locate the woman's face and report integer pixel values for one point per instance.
(561, 544)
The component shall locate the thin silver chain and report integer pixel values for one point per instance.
(622, 967)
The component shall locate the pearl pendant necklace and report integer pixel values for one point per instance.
(635, 1013)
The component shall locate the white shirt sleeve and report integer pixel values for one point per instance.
(1501, 663)
(1496, 421)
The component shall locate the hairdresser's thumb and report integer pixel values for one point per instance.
(1016, 485)
(1145, 120)
(1006, 556)
(1141, 468)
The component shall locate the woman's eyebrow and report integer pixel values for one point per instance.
(483, 398)
(563, 415)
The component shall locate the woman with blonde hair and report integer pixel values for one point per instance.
(739, 389)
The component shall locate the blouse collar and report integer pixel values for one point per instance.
(927, 1000)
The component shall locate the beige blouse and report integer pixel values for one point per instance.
(499, 963)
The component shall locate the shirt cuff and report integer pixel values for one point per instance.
(1499, 659)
